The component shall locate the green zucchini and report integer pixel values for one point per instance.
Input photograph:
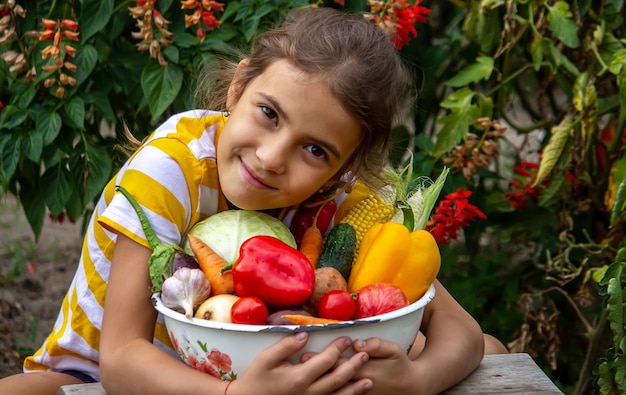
(338, 249)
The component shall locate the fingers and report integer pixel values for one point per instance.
(339, 372)
(377, 348)
(281, 351)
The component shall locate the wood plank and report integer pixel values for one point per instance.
(513, 374)
(82, 389)
(506, 374)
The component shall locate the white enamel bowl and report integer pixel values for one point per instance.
(225, 350)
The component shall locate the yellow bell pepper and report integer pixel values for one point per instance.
(392, 254)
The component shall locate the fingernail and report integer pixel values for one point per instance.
(347, 342)
(300, 336)
(367, 385)
(359, 344)
(365, 357)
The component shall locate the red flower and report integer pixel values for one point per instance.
(525, 172)
(207, 368)
(220, 360)
(1, 105)
(406, 19)
(452, 213)
(210, 20)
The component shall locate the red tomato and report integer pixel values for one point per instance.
(249, 310)
(337, 305)
(379, 298)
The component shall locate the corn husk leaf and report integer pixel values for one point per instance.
(422, 200)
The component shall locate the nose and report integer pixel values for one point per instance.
(272, 156)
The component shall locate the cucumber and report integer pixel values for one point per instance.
(338, 249)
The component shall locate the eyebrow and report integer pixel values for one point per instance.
(274, 103)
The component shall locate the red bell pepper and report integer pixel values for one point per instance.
(273, 271)
(303, 218)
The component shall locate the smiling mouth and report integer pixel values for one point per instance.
(253, 179)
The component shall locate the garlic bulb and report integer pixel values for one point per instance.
(185, 290)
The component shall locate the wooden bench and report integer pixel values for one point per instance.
(497, 374)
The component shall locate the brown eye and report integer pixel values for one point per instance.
(270, 114)
(316, 151)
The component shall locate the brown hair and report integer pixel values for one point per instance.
(351, 55)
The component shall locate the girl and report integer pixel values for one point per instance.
(313, 103)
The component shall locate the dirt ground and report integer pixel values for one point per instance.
(30, 300)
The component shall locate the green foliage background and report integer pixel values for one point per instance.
(545, 278)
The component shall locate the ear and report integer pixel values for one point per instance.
(236, 86)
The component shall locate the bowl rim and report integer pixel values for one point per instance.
(166, 311)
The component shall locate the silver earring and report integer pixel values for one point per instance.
(227, 114)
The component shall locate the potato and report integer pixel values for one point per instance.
(326, 279)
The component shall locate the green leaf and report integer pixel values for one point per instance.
(172, 54)
(26, 97)
(49, 125)
(32, 200)
(459, 100)
(95, 14)
(481, 70)
(550, 194)
(85, 61)
(585, 101)
(455, 128)
(6, 113)
(16, 120)
(98, 172)
(100, 99)
(561, 24)
(250, 27)
(32, 145)
(57, 188)
(551, 153)
(75, 111)
(160, 86)
(10, 156)
(618, 61)
(618, 205)
(615, 307)
(488, 26)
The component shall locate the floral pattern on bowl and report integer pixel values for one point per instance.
(214, 362)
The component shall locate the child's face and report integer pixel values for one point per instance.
(286, 136)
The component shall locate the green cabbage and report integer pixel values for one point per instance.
(224, 232)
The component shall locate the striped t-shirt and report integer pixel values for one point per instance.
(173, 176)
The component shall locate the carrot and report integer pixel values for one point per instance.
(301, 319)
(211, 265)
(312, 241)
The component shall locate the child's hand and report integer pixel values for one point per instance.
(271, 373)
(389, 368)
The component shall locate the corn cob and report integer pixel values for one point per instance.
(365, 214)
